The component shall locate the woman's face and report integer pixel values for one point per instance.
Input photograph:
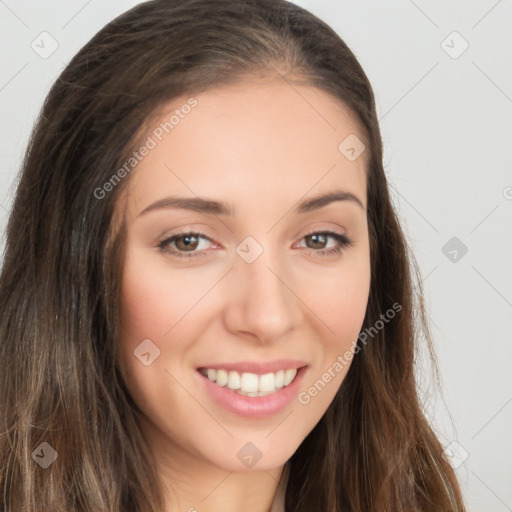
(233, 279)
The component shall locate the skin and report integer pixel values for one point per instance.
(261, 146)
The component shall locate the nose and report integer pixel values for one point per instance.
(262, 303)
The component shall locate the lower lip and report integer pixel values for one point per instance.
(254, 406)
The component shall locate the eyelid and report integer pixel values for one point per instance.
(321, 230)
(186, 231)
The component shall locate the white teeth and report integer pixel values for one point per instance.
(222, 377)
(267, 382)
(289, 375)
(233, 380)
(251, 384)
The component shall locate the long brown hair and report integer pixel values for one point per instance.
(373, 450)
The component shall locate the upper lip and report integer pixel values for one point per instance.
(258, 368)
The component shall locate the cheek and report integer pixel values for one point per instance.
(343, 299)
(154, 300)
(342, 307)
(150, 307)
(350, 300)
(147, 303)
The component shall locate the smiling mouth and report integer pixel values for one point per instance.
(250, 384)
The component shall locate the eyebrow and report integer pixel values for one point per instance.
(212, 207)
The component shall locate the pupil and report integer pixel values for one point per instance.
(316, 237)
(188, 243)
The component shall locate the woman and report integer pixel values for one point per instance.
(206, 296)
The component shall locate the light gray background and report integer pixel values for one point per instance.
(447, 128)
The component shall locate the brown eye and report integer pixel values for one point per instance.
(183, 245)
(186, 242)
(317, 239)
(317, 242)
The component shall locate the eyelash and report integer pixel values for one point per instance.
(342, 240)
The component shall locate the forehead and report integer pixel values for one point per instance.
(254, 141)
